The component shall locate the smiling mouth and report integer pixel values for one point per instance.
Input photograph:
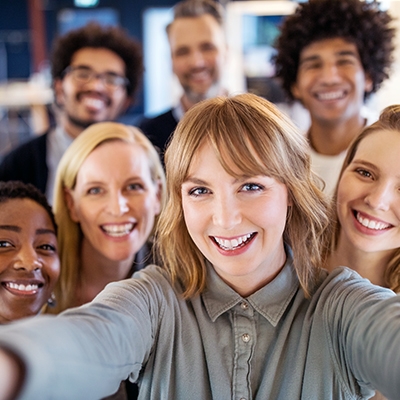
(93, 100)
(118, 230)
(371, 224)
(93, 103)
(30, 288)
(328, 96)
(233, 244)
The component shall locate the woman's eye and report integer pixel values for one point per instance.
(4, 243)
(251, 187)
(48, 247)
(135, 186)
(198, 191)
(94, 190)
(364, 173)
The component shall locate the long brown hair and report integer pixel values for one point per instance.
(260, 140)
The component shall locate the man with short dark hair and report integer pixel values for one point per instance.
(96, 71)
(198, 52)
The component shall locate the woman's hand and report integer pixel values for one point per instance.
(11, 375)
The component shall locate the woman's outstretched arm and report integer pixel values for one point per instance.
(11, 375)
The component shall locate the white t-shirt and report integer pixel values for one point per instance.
(329, 167)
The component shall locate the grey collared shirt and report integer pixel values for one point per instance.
(275, 344)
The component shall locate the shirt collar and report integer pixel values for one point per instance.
(270, 301)
(178, 112)
(62, 138)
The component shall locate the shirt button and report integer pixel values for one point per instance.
(244, 306)
(246, 337)
(242, 398)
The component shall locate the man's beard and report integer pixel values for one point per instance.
(79, 122)
(213, 91)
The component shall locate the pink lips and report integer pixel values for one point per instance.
(234, 246)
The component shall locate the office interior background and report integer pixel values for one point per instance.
(28, 27)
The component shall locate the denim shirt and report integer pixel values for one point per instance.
(274, 344)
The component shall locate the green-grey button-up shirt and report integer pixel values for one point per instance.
(274, 345)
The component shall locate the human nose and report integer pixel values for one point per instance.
(196, 59)
(379, 197)
(330, 73)
(118, 204)
(96, 81)
(27, 259)
(226, 212)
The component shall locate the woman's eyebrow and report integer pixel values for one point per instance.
(198, 181)
(43, 231)
(193, 179)
(12, 228)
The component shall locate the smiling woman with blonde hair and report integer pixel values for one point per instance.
(108, 165)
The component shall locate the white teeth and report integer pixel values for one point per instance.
(118, 230)
(331, 95)
(376, 225)
(226, 244)
(22, 288)
(94, 103)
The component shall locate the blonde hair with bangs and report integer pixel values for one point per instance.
(261, 141)
(69, 232)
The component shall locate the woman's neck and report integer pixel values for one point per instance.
(97, 271)
(370, 265)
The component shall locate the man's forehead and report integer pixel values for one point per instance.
(334, 46)
(184, 27)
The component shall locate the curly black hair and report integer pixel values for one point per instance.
(360, 23)
(19, 190)
(97, 36)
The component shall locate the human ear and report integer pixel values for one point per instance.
(58, 92)
(295, 91)
(128, 102)
(368, 84)
(70, 202)
(158, 197)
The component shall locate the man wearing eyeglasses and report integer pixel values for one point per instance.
(96, 71)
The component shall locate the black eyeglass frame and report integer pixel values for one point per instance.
(121, 81)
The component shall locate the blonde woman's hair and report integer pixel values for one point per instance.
(260, 140)
(389, 120)
(69, 232)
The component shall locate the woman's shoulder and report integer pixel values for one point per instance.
(152, 282)
(343, 282)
